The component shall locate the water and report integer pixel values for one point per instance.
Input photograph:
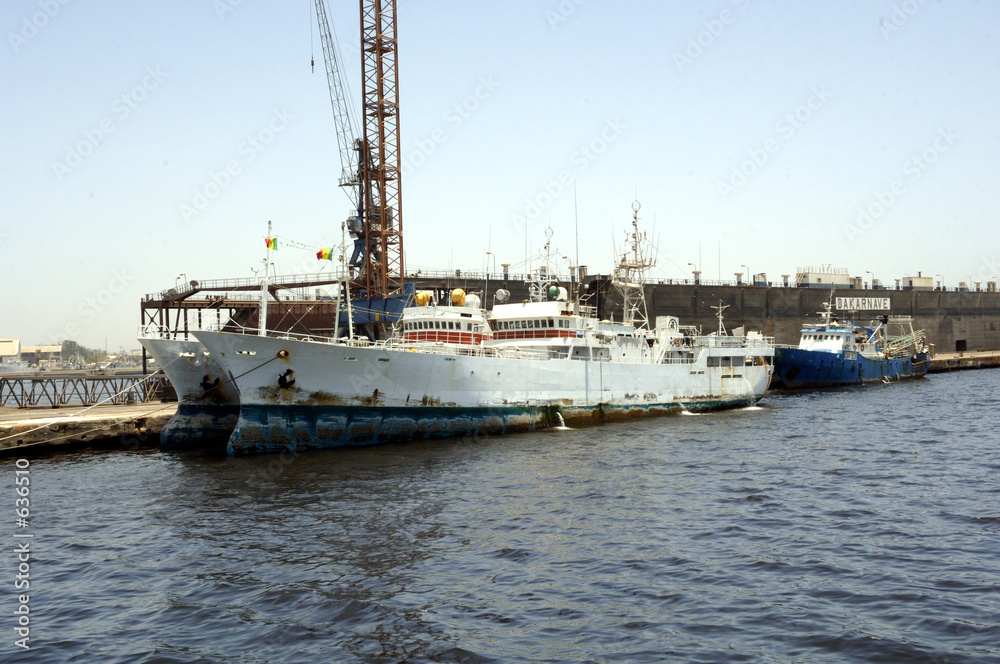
(855, 525)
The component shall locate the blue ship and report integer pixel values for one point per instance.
(834, 353)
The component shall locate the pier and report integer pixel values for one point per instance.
(943, 362)
(42, 428)
(81, 388)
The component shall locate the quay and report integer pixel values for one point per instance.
(943, 362)
(44, 429)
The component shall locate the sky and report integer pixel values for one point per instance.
(149, 142)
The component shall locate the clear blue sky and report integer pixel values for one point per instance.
(862, 135)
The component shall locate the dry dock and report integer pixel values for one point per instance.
(942, 362)
(50, 428)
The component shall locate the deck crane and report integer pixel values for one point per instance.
(371, 165)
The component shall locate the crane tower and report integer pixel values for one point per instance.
(383, 267)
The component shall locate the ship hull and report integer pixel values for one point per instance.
(311, 394)
(208, 403)
(796, 368)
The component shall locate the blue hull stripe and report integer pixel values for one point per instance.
(199, 426)
(279, 428)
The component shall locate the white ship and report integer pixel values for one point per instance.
(457, 370)
(208, 403)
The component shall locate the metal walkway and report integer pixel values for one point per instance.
(65, 389)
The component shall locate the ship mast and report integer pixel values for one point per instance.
(262, 311)
(628, 276)
(719, 308)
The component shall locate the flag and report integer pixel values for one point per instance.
(325, 254)
(271, 242)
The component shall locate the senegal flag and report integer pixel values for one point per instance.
(325, 254)
(271, 242)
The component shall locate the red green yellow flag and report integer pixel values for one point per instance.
(325, 254)
(271, 242)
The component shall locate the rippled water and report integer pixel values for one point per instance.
(854, 525)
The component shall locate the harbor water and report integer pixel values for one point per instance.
(847, 525)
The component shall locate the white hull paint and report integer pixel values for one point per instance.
(208, 403)
(376, 393)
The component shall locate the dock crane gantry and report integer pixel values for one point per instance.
(370, 166)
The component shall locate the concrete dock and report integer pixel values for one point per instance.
(50, 428)
(988, 359)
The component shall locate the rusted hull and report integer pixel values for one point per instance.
(277, 428)
(199, 426)
(311, 394)
(208, 402)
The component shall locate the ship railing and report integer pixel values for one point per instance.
(683, 359)
(244, 283)
(163, 332)
(715, 341)
(502, 352)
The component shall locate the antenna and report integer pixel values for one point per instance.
(576, 232)
(628, 275)
(719, 309)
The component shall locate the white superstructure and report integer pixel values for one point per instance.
(459, 370)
